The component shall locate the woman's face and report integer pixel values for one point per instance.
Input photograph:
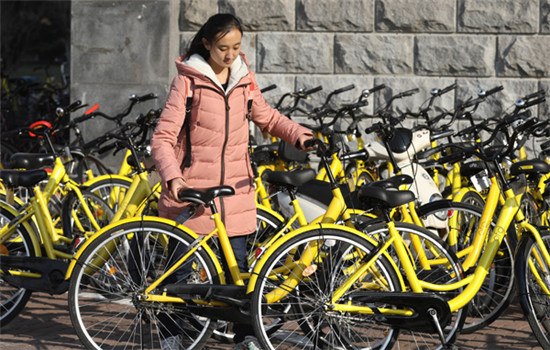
(225, 50)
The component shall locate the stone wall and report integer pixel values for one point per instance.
(123, 47)
(400, 43)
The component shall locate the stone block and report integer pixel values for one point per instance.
(498, 16)
(272, 15)
(294, 53)
(544, 108)
(462, 55)
(545, 16)
(120, 42)
(373, 54)
(194, 13)
(523, 56)
(335, 15)
(415, 15)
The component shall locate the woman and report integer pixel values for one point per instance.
(212, 149)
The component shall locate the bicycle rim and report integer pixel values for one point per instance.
(104, 298)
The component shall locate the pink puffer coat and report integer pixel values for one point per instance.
(219, 137)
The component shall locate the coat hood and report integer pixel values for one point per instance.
(197, 67)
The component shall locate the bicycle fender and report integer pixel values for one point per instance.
(107, 177)
(463, 191)
(259, 265)
(271, 211)
(29, 225)
(111, 226)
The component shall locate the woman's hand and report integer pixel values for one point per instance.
(176, 185)
(301, 142)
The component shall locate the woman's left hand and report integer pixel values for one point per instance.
(301, 141)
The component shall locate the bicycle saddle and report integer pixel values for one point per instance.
(31, 160)
(294, 178)
(395, 181)
(471, 168)
(534, 166)
(375, 195)
(204, 196)
(23, 178)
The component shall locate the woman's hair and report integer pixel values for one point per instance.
(215, 28)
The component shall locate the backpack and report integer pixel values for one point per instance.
(189, 107)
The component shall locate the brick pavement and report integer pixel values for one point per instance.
(45, 325)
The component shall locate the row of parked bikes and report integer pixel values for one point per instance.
(383, 237)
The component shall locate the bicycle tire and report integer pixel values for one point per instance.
(473, 198)
(498, 288)
(439, 274)
(111, 190)
(14, 299)
(282, 324)
(111, 274)
(533, 300)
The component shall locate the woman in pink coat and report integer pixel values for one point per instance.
(222, 95)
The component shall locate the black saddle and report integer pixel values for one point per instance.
(204, 196)
(22, 178)
(31, 160)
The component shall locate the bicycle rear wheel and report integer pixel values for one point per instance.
(106, 301)
(302, 319)
(18, 244)
(533, 274)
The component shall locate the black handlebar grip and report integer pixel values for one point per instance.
(147, 97)
(309, 143)
(539, 93)
(377, 88)
(311, 91)
(268, 88)
(82, 118)
(374, 128)
(534, 102)
(73, 105)
(447, 89)
(344, 89)
(494, 90)
(409, 92)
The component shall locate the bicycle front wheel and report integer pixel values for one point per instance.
(106, 301)
(303, 319)
(533, 274)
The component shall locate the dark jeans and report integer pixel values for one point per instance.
(169, 325)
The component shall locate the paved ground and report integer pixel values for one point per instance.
(45, 325)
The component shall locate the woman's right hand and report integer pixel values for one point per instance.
(176, 185)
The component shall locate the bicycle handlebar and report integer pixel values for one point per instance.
(268, 88)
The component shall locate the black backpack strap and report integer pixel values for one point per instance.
(187, 127)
